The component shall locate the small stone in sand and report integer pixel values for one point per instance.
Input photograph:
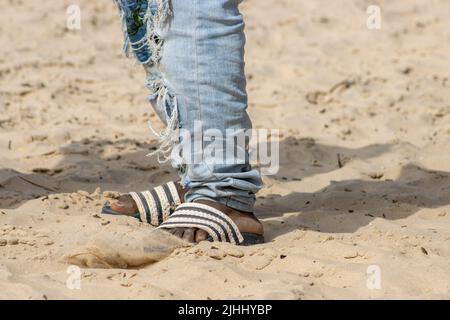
(233, 252)
(352, 255)
(13, 241)
(97, 192)
(111, 194)
(83, 193)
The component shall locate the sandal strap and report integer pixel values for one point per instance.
(155, 206)
(197, 215)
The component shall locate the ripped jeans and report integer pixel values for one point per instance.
(193, 54)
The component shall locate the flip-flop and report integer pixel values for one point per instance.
(155, 206)
(218, 225)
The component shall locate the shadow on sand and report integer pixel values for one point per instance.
(85, 166)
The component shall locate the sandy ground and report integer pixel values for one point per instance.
(73, 120)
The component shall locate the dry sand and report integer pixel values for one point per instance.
(73, 117)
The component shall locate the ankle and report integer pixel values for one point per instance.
(181, 191)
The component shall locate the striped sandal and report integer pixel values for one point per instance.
(154, 206)
(218, 225)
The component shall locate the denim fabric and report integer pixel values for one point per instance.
(136, 37)
(198, 77)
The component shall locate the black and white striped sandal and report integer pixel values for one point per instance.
(155, 206)
(218, 225)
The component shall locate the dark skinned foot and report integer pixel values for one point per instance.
(127, 206)
(245, 221)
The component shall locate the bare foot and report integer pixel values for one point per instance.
(127, 206)
(245, 221)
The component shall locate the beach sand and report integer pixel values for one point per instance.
(360, 208)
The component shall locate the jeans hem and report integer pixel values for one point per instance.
(229, 202)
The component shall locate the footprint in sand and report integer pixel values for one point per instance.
(124, 249)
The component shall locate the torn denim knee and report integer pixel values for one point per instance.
(141, 20)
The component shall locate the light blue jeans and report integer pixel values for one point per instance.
(193, 53)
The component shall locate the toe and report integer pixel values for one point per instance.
(179, 232)
(189, 235)
(200, 235)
